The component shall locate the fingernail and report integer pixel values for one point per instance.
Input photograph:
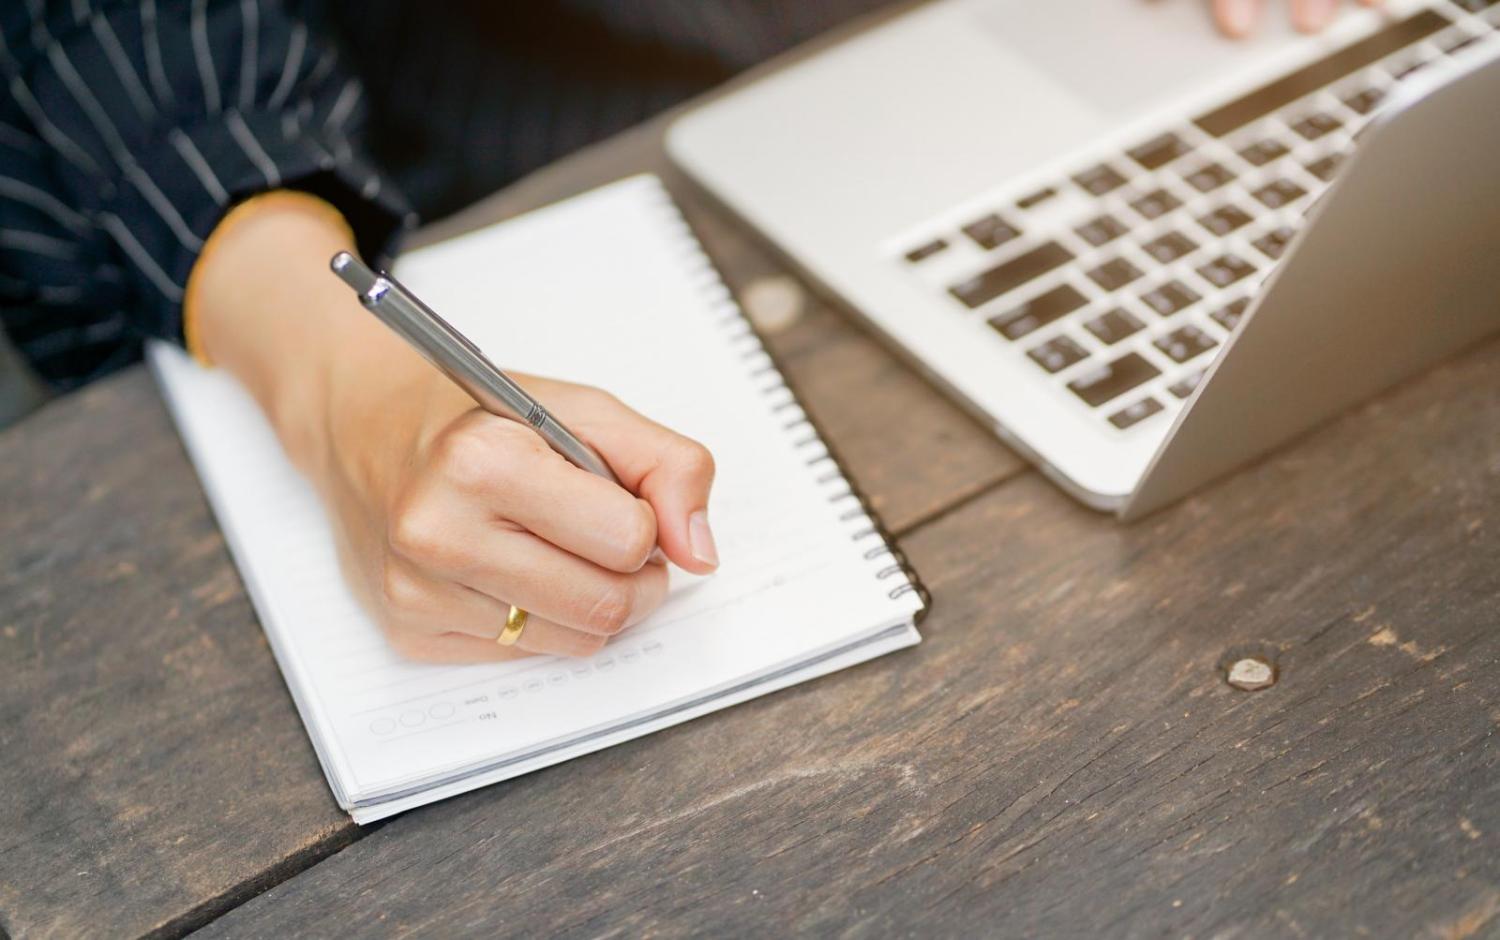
(1313, 15)
(701, 539)
(1239, 17)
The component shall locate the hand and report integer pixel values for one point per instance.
(1238, 17)
(451, 514)
(446, 515)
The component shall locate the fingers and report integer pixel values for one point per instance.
(1309, 16)
(1237, 18)
(671, 472)
(563, 588)
(509, 471)
(432, 620)
(454, 543)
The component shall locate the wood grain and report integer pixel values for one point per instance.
(154, 769)
(164, 774)
(1062, 755)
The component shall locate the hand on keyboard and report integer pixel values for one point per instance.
(1238, 17)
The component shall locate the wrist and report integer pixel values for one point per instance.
(262, 304)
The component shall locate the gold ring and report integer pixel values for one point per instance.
(515, 622)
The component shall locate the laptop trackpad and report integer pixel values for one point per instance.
(1125, 56)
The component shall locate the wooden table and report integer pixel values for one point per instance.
(1062, 755)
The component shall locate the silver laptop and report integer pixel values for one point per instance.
(1143, 255)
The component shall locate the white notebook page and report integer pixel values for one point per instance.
(608, 289)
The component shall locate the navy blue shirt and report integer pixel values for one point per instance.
(128, 127)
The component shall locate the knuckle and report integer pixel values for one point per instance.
(599, 397)
(399, 592)
(637, 537)
(467, 457)
(413, 532)
(697, 459)
(612, 609)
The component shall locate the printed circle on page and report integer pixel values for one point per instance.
(383, 725)
(508, 692)
(441, 710)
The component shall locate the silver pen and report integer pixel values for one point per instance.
(460, 360)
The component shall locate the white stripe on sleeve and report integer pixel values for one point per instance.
(204, 56)
(141, 257)
(163, 206)
(243, 136)
(193, 157)
(154, 66)
(115, 52)
(249, 51)
(296, 48)
(44, 202)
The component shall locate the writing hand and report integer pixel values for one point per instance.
(445, 514)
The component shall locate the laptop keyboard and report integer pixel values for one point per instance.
(1122, 280)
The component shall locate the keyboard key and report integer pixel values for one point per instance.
(1036, 198)
(1280, 193)
(1038, 312)
(1185, 343)
(1317, 75)
(1170, 298)
(1225, 219)
(991, 232)
(1327, 167)
(1110, 381)
(1317, 125)
(1007, 276)
(1100, 180)
(1057, 354)
(1157, 153)
(1155, 204)
(1405, 68)
(1183, 387)
(1458, 42)
(1115, 274)
(1112, 326)
(1229, 317)
(1226, 270)
(1264, 151)
(1365, 101)
(1136, 413)
(1209, 178)
(1101, 231)
(1169, 247)
(923, 252)
(1273, 243)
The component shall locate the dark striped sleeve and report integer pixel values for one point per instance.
(127, 129)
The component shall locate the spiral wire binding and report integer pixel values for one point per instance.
(893, 563)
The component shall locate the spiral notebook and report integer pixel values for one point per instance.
(616, 293)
